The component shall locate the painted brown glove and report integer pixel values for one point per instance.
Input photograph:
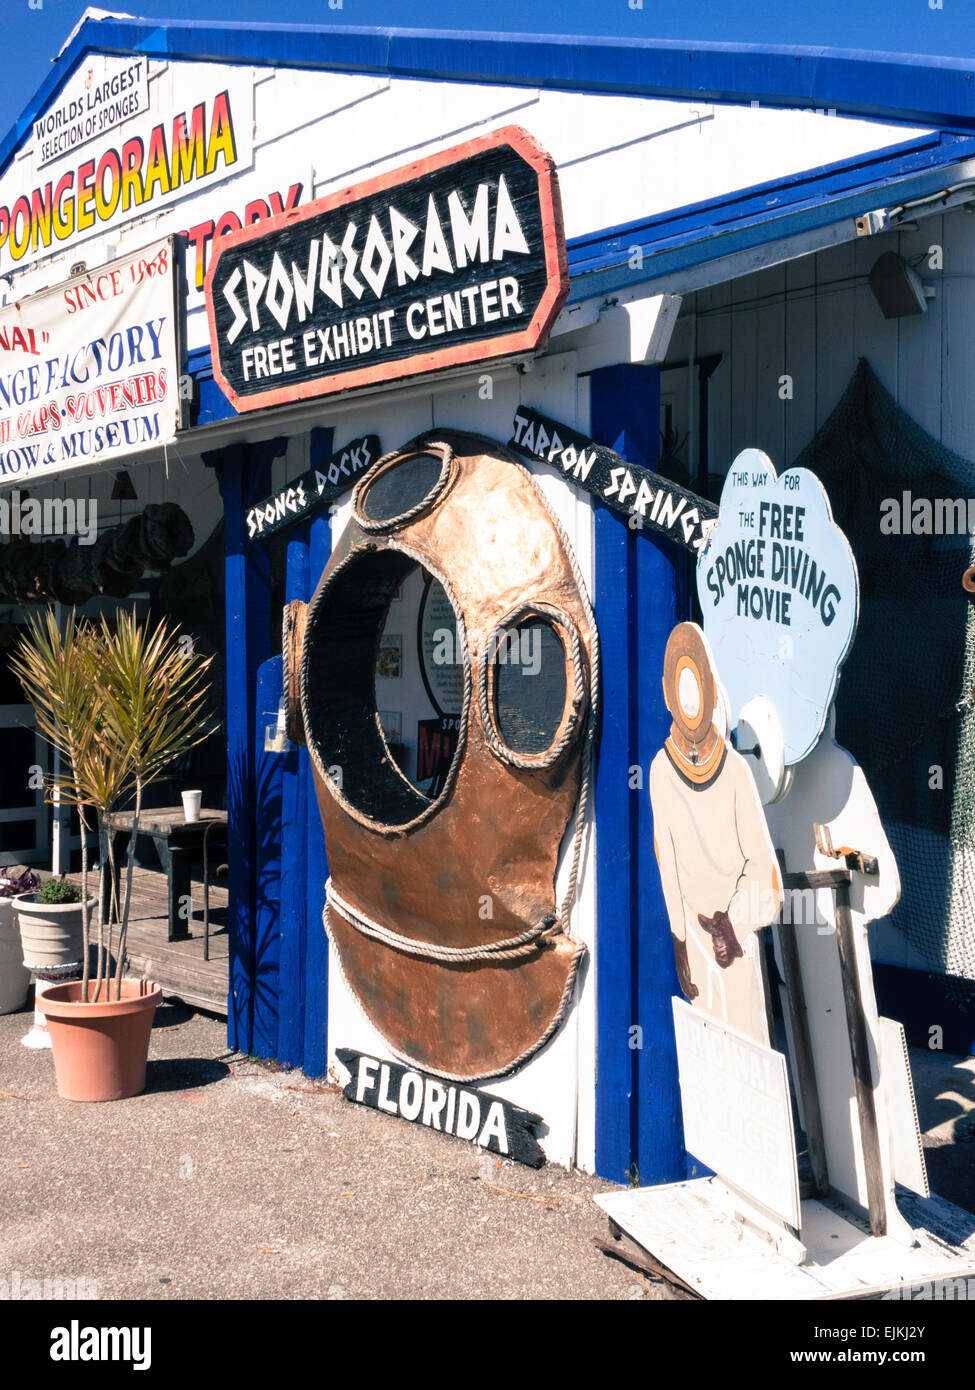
(689, 988)
(723, 939)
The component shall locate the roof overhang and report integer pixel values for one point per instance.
(901, 88)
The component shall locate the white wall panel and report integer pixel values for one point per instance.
(921, 356)
(800, 353)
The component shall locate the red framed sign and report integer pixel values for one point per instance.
(454, 259)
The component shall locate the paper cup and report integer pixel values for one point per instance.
(191, 805)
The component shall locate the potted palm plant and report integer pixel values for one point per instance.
(54, 929)
(143, 707)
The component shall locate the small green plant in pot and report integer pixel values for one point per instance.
(53, 942)
(59, 890)
(133, 703)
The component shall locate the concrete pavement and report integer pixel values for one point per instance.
(232, 1179)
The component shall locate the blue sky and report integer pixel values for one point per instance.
(33, 36)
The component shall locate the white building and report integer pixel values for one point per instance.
(723, 210)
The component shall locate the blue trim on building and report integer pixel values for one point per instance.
(294, 815)
(269, 866)
(640, 593)
(211, 405)
(677, 240)
(244, 478)
(303, 967)
(915, 90)
(315, 1042)
(748, 217)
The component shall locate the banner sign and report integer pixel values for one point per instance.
(99, 155)
(654, 501)
(488, 1121)
(88, 370)
(313, 489)
(779, 594)
(457, 258)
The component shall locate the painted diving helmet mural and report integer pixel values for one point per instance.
(441, 903)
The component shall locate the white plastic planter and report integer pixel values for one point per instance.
(51, 933)
(14, 975)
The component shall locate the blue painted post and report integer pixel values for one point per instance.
(244, 475)
(242, 571)
(316, 943)
(267, 792)
(641, 592)
(294, 815)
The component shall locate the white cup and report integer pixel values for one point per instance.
(191, 805)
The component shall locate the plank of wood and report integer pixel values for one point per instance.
(862, 1070)
(628, 1252)
(805, 1067)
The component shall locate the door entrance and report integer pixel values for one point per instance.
(24, 816)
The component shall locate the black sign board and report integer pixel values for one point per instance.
(650, 500)
(457, 258)
(313, 489)
(488, 1121)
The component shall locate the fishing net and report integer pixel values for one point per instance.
(905, 706)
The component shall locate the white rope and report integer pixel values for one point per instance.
(522, 945)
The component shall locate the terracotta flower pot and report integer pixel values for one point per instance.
(14, 975)
(51, 932)
(100, 1049)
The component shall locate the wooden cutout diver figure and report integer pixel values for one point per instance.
(720, 877)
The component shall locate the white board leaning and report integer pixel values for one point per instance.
(737, 1112)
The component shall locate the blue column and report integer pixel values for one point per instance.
(315, 1046)
(269, 865)
(294, 815)
(244, 474)
(641, 591)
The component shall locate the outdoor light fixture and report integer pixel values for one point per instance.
(123, 489)
(896, 287)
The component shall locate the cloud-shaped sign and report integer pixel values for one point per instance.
(779, 592)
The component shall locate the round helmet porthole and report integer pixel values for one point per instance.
(356, 755)
(533, 689)
(397, 490)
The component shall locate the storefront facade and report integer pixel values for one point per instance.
(722, 212)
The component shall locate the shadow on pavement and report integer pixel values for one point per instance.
(183, 1073)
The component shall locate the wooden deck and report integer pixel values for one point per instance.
(178, 966)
